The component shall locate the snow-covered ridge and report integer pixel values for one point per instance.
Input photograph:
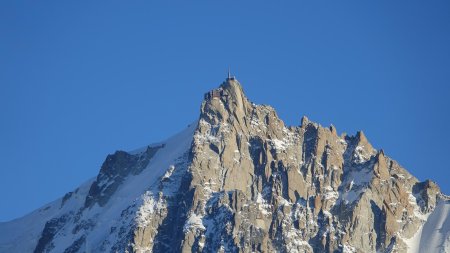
(93, 226)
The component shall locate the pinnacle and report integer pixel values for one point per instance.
(230, 88)
(304, 121)
(228, 100)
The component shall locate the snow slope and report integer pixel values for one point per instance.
(22, 235)
(435, 235)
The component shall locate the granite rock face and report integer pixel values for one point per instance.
(294, 189)
(239, 180)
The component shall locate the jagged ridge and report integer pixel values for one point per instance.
(238, 180)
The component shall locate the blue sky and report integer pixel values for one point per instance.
(81, 79)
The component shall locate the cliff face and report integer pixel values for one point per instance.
(239, 180)
(261, 186)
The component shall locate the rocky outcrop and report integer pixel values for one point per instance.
(114, 171)
(294, 189)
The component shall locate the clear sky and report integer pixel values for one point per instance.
(81, 79)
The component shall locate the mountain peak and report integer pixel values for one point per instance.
(232, 84)
(240, 180)
(231, 88)
(225, 103)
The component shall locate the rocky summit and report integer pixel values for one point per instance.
(239, 180)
